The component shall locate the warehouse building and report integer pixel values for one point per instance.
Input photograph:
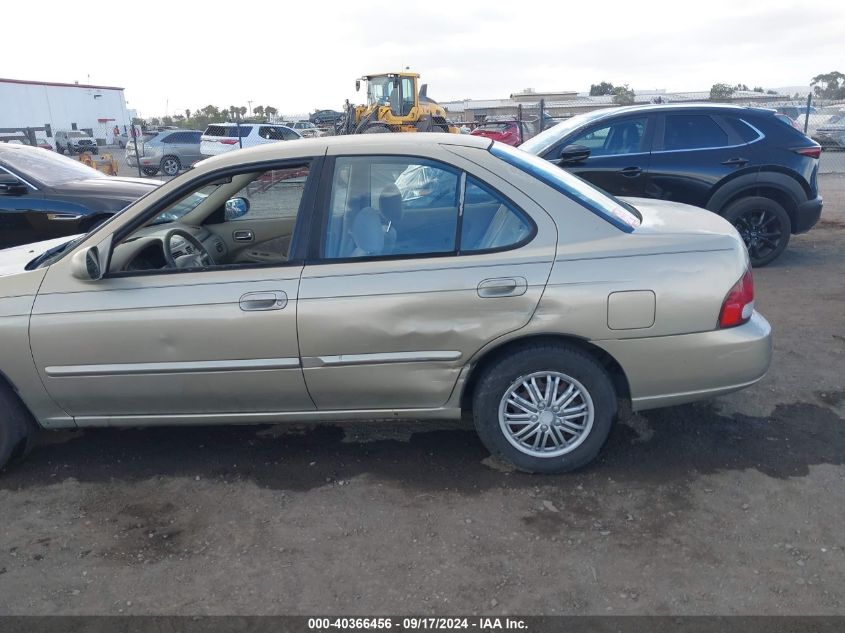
(47, 107)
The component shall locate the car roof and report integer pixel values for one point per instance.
(354, 143)
(662, 107)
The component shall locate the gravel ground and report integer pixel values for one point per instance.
(734, 506)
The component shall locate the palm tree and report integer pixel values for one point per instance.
(258, 111)
(187, 113)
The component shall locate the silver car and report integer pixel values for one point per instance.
(380, 277)
(168, 151)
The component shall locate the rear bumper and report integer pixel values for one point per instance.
(807, 214)
(670, 370)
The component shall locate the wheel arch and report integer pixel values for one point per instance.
(782, 188)
(490, 356)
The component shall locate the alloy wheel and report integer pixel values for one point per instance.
(761, 230)
(546, 414)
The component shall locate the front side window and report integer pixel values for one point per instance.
(692, 131)
(244, 219)
(621, 137)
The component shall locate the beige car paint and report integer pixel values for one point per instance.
(386, 338)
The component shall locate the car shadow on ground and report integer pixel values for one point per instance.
(670, 445)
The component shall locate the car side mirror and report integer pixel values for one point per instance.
(236, 208)
(85, 264)
(574, 154)
(11, 185)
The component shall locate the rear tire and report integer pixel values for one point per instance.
(764, 225)
(558, 434)
(17, 428)
(376, 129)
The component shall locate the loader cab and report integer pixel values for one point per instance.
(398, 91)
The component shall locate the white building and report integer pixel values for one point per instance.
(38, 104)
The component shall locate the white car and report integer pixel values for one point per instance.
(305, 128)
(220, 138)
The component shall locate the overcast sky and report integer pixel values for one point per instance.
(301, 56)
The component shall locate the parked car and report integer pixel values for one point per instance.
(831, 135)
(508, 132)
(305, 128)
(740, 162)
(74, 142)
(168, 151)
(325, 117)
(538, 306)
(220, 138)
(797, 112)
(44, 195)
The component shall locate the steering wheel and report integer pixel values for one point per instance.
(183, 250)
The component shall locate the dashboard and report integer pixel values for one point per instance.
(144, 250)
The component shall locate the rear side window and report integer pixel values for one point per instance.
(692, 131)
(747, 133)
(489, 221)
(288, 135)
(228, 131)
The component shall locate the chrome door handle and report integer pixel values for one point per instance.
(502, 287)
(739, 162)
(244, 235)
(630, 172)
(253, 301)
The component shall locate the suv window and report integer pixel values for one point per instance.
(745, 131)
(489, 221)
(172, 138)
(229, 131)
(288, 135)
(692, 131)
(382, 205)
(621, 137)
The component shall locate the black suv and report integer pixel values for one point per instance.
(743, 163)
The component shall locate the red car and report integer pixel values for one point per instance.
(508, 132)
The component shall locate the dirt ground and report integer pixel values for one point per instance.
(735, 506)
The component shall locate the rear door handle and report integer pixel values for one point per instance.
(256, 301)
(244, 235)
(630, 172)
(739, 162)
(502, 287)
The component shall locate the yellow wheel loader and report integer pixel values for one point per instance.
(394, 105)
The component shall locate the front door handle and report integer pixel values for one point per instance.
(739, 162)
(631, 172)
(502, 287)
(256, 301)
(243, 235)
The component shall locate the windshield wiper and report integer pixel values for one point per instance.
(55, 251)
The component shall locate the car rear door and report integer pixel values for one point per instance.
(693, 151)
(619, 154)
(406, 284)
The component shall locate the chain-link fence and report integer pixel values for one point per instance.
(821, 120)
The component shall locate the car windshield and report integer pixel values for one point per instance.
(228, 131)
(544, 140)
(602, 204)
(183, 207)
(78, 135)
(48, 167)
(495, 127)
(378, 90)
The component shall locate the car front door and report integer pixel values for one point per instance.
(619, 154)
(175, 345)
(419, 263)
(692, 153)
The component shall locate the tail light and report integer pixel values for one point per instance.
(228, 141)
(812, 152)
(739, 304)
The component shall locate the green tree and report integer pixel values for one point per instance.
(258, 111)
(168, 120)
(187, 113)
(270, 111)
(242, 110)
(601, 89)
(739, 87)
(829, 85)
(758, 89)
(721, 92)
(623, 95)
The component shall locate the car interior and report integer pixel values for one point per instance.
(246, 219)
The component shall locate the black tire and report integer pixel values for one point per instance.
(150, 171)
(59, 149)
(376, 129)
(496, 381)
(170, 165)
(17, 428)
(764, 226)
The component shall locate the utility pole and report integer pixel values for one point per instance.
(249, 110)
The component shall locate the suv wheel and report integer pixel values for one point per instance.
(764, 226)
(170, 165)
(17, 428)
(545, 408)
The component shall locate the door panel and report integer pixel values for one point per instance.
(169, 344)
